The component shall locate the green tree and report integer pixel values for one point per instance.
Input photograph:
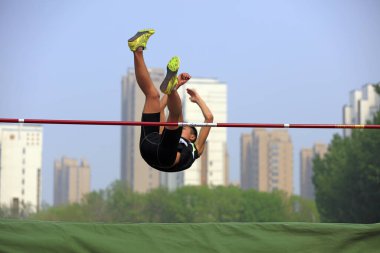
(194, 204)
(124, 205)
(160, 206)
(347, 179)
(94, 205)
(265, 206)
(226, 203)
(73, 212)
(304, 210)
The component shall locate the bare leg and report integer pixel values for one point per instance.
(175, 109)
(174, 101)
(152, 96)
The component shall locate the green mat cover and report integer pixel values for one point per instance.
(41, 236)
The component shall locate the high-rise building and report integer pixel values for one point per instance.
(20, 167)
(307, 156)
(71, 180)
(212, 168)
(138, 174)
(267, 161)
(246, 163)
(362, 107)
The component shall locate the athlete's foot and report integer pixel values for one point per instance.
(170, 82)
(138, 42)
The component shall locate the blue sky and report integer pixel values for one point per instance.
(283, 61)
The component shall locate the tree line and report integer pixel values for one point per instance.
(118, 203)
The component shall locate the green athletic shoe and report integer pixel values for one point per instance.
(140, 39)
(170, 81)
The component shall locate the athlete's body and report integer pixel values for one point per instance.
(169, 148)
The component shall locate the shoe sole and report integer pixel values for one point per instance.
(141, 32)
(170, 80)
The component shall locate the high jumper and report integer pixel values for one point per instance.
(167, 148)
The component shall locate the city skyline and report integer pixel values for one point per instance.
(294, 62)
(267, 160)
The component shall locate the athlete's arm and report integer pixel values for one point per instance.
(163, 103)
(209, 118)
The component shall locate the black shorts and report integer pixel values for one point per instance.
(158, 150)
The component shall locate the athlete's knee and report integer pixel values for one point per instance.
(153, 94)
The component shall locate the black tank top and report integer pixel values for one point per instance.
(189, 154)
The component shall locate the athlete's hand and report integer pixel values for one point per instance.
(182, 79)
(194, 96)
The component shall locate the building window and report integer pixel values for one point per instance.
(23, 151)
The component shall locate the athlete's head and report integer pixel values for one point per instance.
(189, 133)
